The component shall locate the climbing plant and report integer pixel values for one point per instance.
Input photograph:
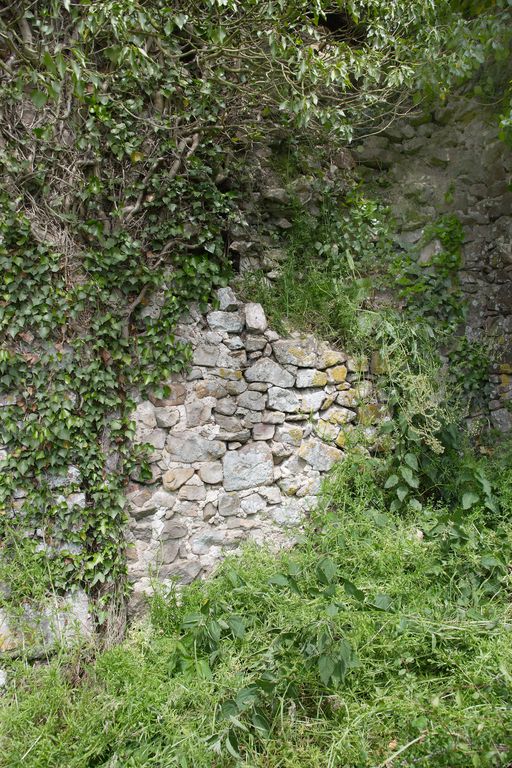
(120, 123)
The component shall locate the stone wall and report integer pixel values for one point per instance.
(452, 160)
(242, 443)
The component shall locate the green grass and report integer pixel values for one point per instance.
(237, 671)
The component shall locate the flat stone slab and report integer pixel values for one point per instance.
(270, 372)
(188, 447)
(249, 467)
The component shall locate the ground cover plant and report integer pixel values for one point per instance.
(378, 639)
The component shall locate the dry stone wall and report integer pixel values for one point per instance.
(241, 445)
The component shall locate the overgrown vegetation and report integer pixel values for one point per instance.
(343, 277)
(380, 637)
(119, 122)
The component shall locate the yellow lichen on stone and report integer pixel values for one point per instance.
(368, 414)
(330, 358)
(319, 379)
(341, 440)
(338, 374)
(229, 373)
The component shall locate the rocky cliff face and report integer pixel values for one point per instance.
(453, 161)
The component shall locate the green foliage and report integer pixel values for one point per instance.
(429, 288)
(323, 282)
(118, 120)
(68, 363)
(377, 633)
(468, 375)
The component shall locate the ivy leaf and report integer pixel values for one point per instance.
(180, 20)
(411, 460)
(402, 492)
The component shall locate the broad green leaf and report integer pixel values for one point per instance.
(237, 626)
(411, 460)
(38, 99)
(391, 481)
(469, 500)
(326, 571)
(326, 666)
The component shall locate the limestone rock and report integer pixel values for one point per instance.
(319, 455)
(289, 434)
(311, 377)
(281, 450)
(255, 319)
(161, 499)
(312, 401)
(300, 352)
(156, 438)
(175, 478)
(339, 415)
(210, 388)
(176, 397)
(206, 354)
(202, 542)
(192, 491)
(338, 374)
(253, 504)
(229, 375)
(253, 401)
(199, 412)
(209, 511)
(187, 447)
(263, 431)
(211, 472)
(167, 417)
(226, 406)
(235, 387)
(255, 343)
(173, 530)
(229, 504)
(248, 467)
(169, 550)
(283, 400)
(227, 300)
(327, 431)
(231, 322)
(329, 357)
(145, 414)
(273, 417)
(270, 372)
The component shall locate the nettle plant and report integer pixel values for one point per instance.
(119, 121)
(429, 397)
